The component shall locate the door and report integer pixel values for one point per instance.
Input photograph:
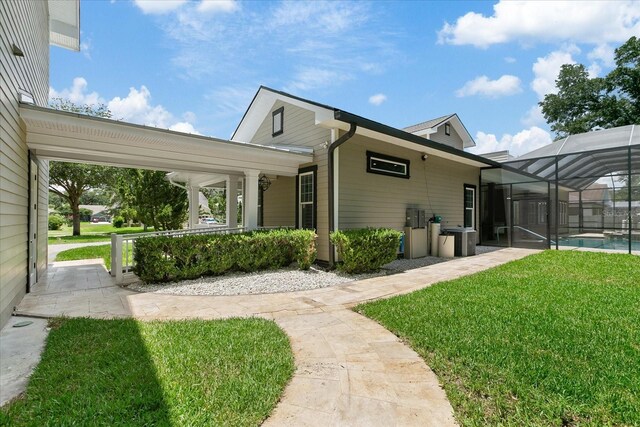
(33, 224)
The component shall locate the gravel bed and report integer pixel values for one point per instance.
(283, 280)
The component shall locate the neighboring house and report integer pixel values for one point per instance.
(99, 213)
(587, 208)
(363, 173)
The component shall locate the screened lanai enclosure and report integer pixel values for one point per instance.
(580, 191)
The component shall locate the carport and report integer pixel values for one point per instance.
(199, 160)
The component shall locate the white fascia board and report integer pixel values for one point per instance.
(64, 23)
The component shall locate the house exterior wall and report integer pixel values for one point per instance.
(372, 200)
(452, 140)
(25, 24)
(299, 128)
(279, 203)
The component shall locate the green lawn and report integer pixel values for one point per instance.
(552, 339)
(90, 233)
(89, 252)
(183, 373)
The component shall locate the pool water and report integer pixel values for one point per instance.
(583, 242)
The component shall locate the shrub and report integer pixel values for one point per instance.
(56, 222)
(163, 259)
(366, 249)
(118, 221)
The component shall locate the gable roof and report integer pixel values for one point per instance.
(261, 105)
(428, 124)
(331, 117)
(431, 126)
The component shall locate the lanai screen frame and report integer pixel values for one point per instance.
(580, 161)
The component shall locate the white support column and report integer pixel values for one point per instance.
(250, 199)
(232, 201)
(194, 205)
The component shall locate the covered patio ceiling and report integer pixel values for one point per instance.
(64, 136)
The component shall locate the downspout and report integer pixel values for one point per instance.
(335, 144)
(175, 183)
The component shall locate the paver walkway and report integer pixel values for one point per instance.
(349, 370)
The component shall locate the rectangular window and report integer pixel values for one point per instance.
(542, 212)
(387, 165)
(277, 122)
(447, 129)
(306, 195)
(469, 206)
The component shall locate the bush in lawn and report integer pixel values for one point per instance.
(55, 222)
(162, 259)
(366, 249)
(118, 221)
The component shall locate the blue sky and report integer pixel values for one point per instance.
(194, 66)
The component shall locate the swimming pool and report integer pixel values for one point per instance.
(590, 242)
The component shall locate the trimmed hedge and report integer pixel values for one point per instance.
(164, 259)
(56, 222)
(366, 249)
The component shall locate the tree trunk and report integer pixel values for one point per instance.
(75, 210)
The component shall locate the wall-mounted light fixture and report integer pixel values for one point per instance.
(424, 156)
(264, 182)
(16, 50)
(25, 97)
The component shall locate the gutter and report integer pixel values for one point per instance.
(169, 178)
(335, 144)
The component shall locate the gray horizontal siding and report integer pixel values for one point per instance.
(24, 23)
(372, 200)
(299, 128)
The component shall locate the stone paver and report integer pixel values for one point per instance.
(349, 369)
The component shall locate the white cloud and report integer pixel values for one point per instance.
(522, 142)
(136, 107)
(77, 93)
(377, 99)
(184, 127)
(300, 36)
(526, 21)
(510, 60)
(158, 7)
(603, 53)
(214, 6)
(309, 78)
(504, 86)
(533, 117)
(546, 70)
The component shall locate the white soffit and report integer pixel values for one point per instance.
(59, 135)
(64, 23)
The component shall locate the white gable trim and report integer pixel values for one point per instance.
(262, 105)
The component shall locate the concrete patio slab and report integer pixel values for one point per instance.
(20, 349)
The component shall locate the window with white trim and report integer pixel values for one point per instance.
(469, 206)
(306, 197)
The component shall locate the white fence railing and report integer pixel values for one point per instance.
(122, 246)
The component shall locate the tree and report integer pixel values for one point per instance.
(585, 103)
(152, 198)
(71, 180)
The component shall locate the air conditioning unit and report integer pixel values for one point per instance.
(465, 240)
